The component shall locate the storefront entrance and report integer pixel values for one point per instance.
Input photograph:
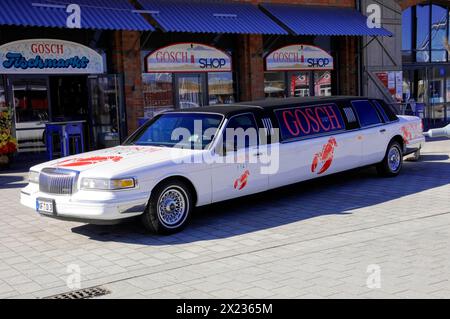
(38, 100)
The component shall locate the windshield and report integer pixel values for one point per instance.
(179, 130)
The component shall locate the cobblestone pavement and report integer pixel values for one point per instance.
(327, 238)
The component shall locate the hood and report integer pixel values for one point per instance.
(111, 161)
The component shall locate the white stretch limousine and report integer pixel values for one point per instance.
(188, 158)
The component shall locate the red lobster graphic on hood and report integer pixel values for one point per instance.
(324, 157)
(88, 161)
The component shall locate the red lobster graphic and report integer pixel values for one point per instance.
(241, 181)
(88, 161)
(407, 135)
(325, 157)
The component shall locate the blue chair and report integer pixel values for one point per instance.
(74, 132)
(52, 130)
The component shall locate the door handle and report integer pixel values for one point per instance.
(383, 130)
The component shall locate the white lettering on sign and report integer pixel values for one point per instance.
(374, 17)
(299, 57)
(74, 19)
(188, 57)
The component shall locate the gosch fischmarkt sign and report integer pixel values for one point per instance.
(297, 57)
(49, 56)
(188, 57)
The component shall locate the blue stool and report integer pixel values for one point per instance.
(74, 131)
(51, 130)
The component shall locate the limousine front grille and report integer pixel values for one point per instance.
(57, 181)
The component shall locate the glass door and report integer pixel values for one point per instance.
(107, 120)
(190, 90)
(29, 97)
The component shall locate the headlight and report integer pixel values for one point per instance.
(107, 184)
(33, 177)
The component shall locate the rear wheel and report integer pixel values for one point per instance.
(392, 162)
(169, 208)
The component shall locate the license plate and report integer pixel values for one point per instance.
(45, 206)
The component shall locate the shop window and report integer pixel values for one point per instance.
(274, 84)
(422, 28)
(220, 88)
(366, 113)
(158, 92)
(300, 84)
(322, 83)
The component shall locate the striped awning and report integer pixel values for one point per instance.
(95, 14)
(322, 20)
(210, 17)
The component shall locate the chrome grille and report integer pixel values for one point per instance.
(57, 181)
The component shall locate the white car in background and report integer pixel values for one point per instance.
(154, 174)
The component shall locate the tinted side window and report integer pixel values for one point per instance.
(367, 114)
(241, 132)
(298, 122)
(387, 109)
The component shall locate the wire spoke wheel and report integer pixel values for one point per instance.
(172, 207)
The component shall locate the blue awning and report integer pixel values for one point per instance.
(211, 17)
(321, 20)
(95, 14)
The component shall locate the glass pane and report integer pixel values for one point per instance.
(2, 94)
(274, 84)
(407, 30)
(300, 84)
(220, 88)
(423, 39)
(158, 93)
(438, 26)
(105, 111)
(190, 91)
(438, 33)
(437, 93)
(322, 83)
(30, 98)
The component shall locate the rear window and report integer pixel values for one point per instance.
(367, 114)
(387, 110)
(298, 122)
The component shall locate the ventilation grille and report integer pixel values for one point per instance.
(86, 293)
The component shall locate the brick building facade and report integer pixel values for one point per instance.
(249, 58)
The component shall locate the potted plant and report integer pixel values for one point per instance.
(8, 144)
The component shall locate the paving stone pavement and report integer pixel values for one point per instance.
(329, 238)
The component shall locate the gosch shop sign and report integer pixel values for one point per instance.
(49, 56)
(188, 57)
(299, 57)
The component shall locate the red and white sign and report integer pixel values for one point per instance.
(188, 57)
(299, 57)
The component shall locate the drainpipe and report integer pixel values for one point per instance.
(359, 54)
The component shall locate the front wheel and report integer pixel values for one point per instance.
(169, 208)
(392, 162)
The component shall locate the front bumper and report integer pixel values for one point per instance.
(89, 207)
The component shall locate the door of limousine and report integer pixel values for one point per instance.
(239, 171)
(374, 132)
